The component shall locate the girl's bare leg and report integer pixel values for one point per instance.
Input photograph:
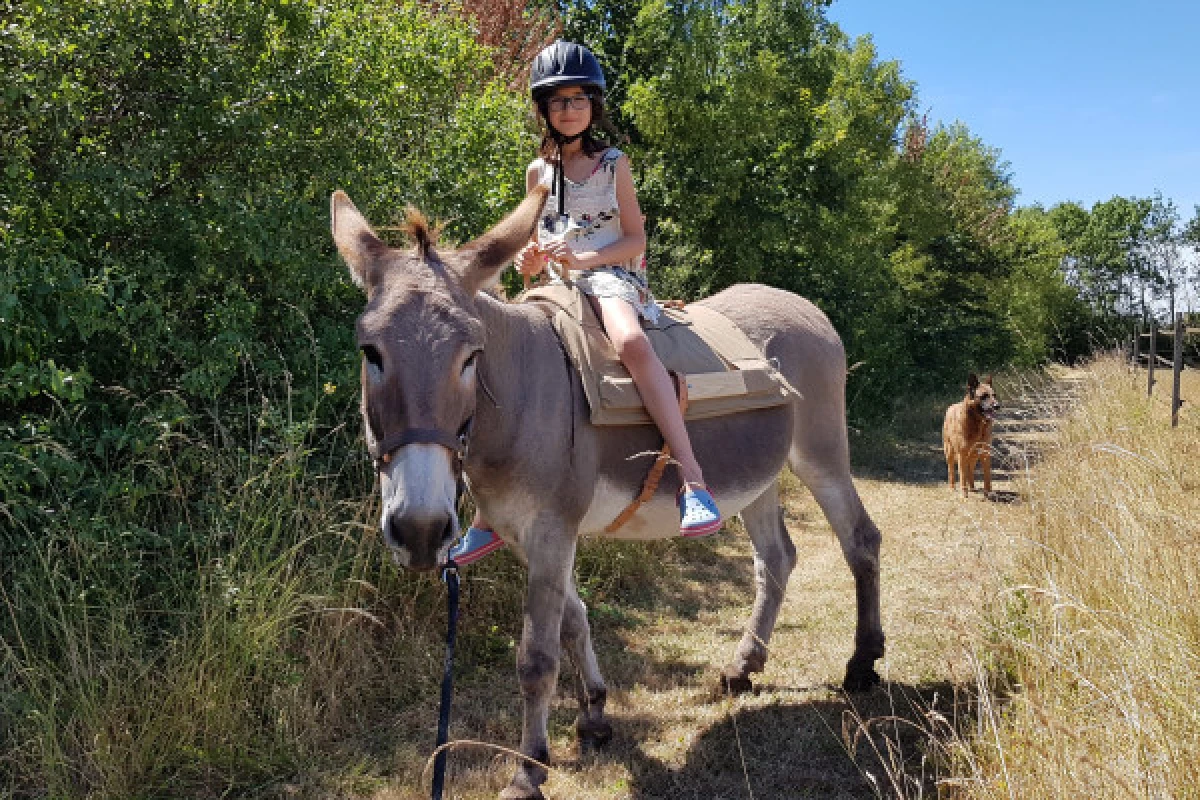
(652, 381)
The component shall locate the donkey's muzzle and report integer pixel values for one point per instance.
(420, 541)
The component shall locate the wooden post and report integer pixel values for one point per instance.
(1176, 402)
(1137, 345)
(1150, 361)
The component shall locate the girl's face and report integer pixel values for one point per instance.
(569, 110)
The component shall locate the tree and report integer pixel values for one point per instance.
(1164, 251)
(514, 31)
(1106, 257)
(950, 221)
(1191, 240)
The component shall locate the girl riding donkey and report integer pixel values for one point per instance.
(592, 227)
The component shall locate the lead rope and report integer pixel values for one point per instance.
(450, 577)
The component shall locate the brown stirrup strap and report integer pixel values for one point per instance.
(660, 464)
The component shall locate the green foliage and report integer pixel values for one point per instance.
(768, 148)
(170, 163)
(166, 178)
(177, 369)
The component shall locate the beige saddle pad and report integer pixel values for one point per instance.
(725, 372)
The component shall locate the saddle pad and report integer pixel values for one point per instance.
(725, 372)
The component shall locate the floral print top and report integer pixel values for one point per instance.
(592, 218)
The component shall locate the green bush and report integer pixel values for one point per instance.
(178, 376)
(166, 174)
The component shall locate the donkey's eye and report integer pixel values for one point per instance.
(371, 354)
(469, 364)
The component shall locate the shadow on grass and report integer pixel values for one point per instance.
(907, 447)
(838, 747)
(623, 584)
(861, 746)
(884, 456)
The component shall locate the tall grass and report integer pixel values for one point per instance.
(224, 634)
(1089, 681)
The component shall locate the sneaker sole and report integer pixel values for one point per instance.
(710, 528)
(478, 553)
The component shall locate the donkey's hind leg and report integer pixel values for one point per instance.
(774, 559)
(592, 726)
(821, 460)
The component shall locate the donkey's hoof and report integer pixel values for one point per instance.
(735, 682)
(860, 678)
(593, 734)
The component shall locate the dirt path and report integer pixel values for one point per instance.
(676, 738)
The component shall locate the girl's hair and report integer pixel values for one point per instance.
(594, 140)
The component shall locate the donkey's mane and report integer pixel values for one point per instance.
(420, 230)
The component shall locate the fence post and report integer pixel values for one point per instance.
(1176, 402)
(1137, 345)
(1150, 361)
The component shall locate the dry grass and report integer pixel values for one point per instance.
(1095, 640)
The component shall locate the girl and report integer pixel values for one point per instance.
(592, 226)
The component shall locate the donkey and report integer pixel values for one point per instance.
(447, 368)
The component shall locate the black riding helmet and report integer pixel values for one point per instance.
(562, 64)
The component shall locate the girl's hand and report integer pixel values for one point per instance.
(559, 252)
(530, 260)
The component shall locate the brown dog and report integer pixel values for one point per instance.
(967, 434)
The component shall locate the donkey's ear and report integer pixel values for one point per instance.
(355, 240)
(479, 262)
(972, 381)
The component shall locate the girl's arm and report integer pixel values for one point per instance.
(633, 234)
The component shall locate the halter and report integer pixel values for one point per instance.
(381, 451)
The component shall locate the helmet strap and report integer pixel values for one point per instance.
(562, 182)
(560, 172)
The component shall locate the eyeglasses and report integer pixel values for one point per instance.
(577, 102)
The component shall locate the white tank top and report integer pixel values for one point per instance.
(592, 216)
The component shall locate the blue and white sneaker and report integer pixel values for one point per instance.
(474, 545)
(698, 512)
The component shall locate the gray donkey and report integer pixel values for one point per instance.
(446, 364)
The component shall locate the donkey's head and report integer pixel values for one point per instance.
(420, 336)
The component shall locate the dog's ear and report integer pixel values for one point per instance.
(972, 381)
(988, 380)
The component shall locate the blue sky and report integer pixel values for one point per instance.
(1085, 100)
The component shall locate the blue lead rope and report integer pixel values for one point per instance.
(450, 577)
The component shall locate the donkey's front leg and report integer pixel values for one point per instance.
(550, 552)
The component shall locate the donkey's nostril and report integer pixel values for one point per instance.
(420, 536)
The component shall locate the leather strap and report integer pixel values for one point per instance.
(383, 449)
(654, 476)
